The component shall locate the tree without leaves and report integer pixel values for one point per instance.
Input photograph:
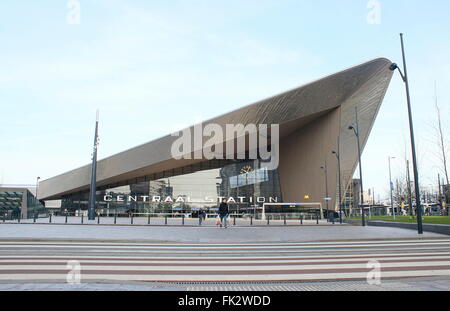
(441, 142)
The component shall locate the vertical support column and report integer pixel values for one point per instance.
(24, 206)
(93, 185)
(263, 215)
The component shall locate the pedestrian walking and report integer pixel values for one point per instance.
(223, 213)
(201, 216)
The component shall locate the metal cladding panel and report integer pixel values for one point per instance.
(302, 103)
(305, 150)
(367, 99)
(302, 154)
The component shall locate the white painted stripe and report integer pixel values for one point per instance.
(256, 251)
(228, 244)
(232, 269)
(216, 278)
(233, 262)
(193, 258)
(101, 249)
(236, 246)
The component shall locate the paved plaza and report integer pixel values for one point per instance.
(241, 258)
(209, 266)
(305, 233)
(169, 221)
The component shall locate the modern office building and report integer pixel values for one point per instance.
(148, 178)
(18, 201)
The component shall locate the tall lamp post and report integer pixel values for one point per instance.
(391, 186)
(408, 179)
(93, 190)
(37, 186)
(440, 193)
(325, 168)
(404, 76)
(356, 131)
(338, 157)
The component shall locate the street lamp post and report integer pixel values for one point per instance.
(391, 186)
(37, 186)
(408, 179)
(324, 167)
(440, 194)
(338, 157)
(411, 130)
(356, 131)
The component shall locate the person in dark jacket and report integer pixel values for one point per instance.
(201, 216)
(223, 213)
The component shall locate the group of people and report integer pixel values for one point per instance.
(223, 215)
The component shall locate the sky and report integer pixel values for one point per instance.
(153, 67)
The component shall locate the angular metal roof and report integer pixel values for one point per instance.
(364, 86)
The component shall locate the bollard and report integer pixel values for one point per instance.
(165, 220)
(285, 220)
(50, 219)
(182, 220)
(34, 218)
(66, 218)
(268, 220)
(18, 218)
(4, 217)
(234, 221)
(301, 220)
(82, 218)
(199, 220)
(98, 219)
(251, 221)
(317, 218)
(115, 218)
(148, 220)
(132, 218)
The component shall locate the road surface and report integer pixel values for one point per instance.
(121, 261)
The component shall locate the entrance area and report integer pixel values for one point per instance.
(277, 211)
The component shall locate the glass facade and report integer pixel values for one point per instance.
(10, 203)
(13, 201)
(35, 208)
(245, 184)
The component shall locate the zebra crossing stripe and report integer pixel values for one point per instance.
(348, 261)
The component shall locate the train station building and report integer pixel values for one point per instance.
(311, 121)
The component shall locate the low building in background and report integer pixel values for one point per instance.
(20, 201)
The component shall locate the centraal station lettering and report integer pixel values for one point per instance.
(169, 199)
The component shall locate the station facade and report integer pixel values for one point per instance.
(313, 121)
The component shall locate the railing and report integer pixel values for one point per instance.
(171, 219)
